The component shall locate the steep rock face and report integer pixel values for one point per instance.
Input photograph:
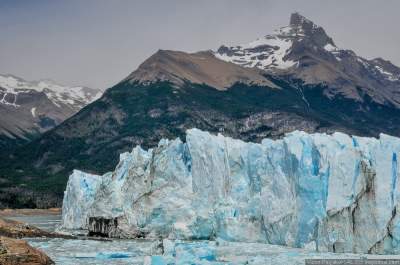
(328, 192)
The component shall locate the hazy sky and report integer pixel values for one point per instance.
(99, 42)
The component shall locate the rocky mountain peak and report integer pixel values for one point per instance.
(304, 51)
(281, 50)
(297, 20)
(305, 28)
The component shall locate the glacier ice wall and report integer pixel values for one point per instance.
(81, 188)
(325, 192)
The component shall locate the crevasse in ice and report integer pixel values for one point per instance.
(324, 192)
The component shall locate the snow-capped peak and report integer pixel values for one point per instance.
(288, 46)
(273, 51)
(11, 86)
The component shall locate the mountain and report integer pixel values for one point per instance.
(325, 192)
(288, 81)
(197, 68)
(31, 108)
(304, 51)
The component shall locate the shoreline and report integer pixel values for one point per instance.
(29, 212)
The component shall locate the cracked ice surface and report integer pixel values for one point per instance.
(323, 192)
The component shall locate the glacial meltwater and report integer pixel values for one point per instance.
(98, 252)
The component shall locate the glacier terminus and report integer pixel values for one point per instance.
(335, 193)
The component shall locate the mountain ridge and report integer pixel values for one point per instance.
(29, 108)
(198, 68)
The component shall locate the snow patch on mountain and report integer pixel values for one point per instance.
(388, 75)
(33, 111)
(330, 48)
(8, 99)
(267, 52)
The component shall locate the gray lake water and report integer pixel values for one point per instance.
(156, 252)
(44, 222)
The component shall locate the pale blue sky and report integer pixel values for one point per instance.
(98, 42)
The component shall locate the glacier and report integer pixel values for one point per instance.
(321, 192)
